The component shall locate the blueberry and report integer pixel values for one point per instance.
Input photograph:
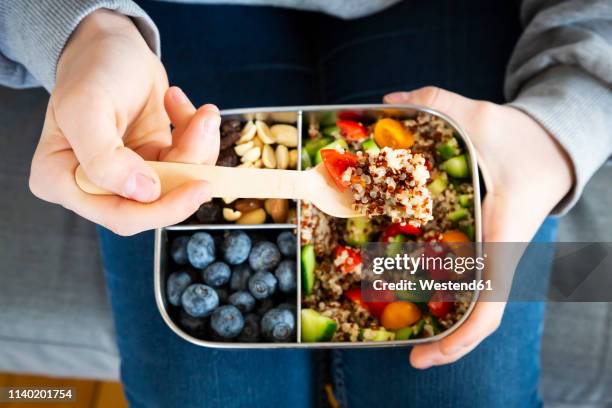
(240, 277)
(223, 294)
(227, 321)
(278, 325)
(235, 247)
(195, 326)
(262, 285)
(216, 274)
(250, 331)
(176, 285)
(178, 250)
(201, 249)
(199, 300)
(287, 243)
(264, 255)
(285, 274)
(244, 301)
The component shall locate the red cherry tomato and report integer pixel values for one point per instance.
(397, 228)
(440, 304)
(336, 163)
(350, 257)
(352, 131)
(350, 115)
(383, 298)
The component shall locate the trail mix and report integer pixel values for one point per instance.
(266, 141)
(411, 180)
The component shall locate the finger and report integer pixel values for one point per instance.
(199, 142)
(179, 107)
(458, 107)
(92, 134)
(120, 215)
(483, 321)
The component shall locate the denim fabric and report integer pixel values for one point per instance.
(257, 56)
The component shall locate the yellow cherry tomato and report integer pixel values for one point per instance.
(391, 133)
(398, 315)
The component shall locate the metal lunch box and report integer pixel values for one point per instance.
(302, 115)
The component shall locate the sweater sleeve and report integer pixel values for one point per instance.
(33, 34)
(561, 75)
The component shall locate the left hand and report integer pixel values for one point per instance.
(526, 173)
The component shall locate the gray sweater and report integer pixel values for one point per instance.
(560, 72)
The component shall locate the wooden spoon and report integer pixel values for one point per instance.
(314, 185)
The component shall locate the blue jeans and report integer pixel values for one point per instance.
(257, 56)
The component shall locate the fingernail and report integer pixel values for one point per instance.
(139, 187)
(211, 107)
(427, 364)
(178, 95)
(397, 97)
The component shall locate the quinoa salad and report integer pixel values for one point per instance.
(411, 180)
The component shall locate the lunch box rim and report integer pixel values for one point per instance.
(300, 110)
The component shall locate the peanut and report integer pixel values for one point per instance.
(248, 132)
(293, 157)
(257, 216)
(269, 160)
(285, 134)
(251, 155)
(264, 133)
(282, 157)
(241, 149)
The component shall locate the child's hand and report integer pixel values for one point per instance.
(526, 174)
(111, 109)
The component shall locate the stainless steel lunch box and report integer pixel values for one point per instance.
(302, 115)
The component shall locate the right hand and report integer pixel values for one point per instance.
(110, 111)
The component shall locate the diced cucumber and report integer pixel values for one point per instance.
(358, 231)
(394, 247)
(327, 118)
(468, 230)
(331, 131)
(312, 146)
(458, 215)
(456, 167)
(417, 328)
(415, 296)
(316, 327)
(448, 149)
(466, 200)
(336, 143)
(438, 185)
(404, 333)
(376, 335)
(306, 161)
(309, 263)
(370, 146)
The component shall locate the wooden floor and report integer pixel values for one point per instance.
(89, 393)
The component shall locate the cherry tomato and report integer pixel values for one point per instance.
(440, 304)
(352, 131)
(397, 228)
(391, 133)
(350, 115)
(351, 258)
(336, 163)
(400, 314)
(383, 298)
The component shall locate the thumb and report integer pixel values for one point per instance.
(94, 138)
(458, 107)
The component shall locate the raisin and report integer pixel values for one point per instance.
(209, 213)
(228, 158)
(229, 139)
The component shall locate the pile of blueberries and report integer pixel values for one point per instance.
(234, 286)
